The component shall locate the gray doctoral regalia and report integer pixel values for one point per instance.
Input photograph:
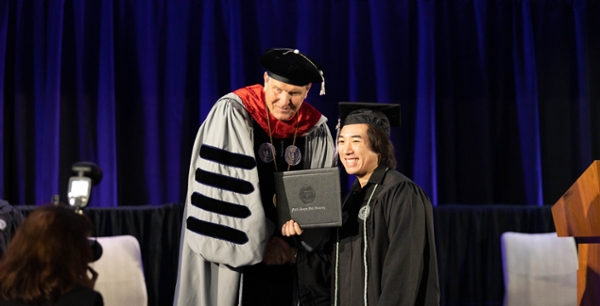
(225, 227)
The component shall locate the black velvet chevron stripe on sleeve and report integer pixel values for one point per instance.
(219, 207)
(216, 231)
(223, 182)
(227, 158)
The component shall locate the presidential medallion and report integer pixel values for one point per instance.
(266, 151)
(293, 155)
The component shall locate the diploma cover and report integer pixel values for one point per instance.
(310, 197)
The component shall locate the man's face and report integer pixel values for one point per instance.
(355, 151)
(284, 100)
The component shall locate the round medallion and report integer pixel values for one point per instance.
(266, 151)
(293, 155)
(363, 213)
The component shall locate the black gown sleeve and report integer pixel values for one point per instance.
(405, 264)
(314, 276)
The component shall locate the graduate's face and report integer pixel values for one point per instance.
(284, 100)
(355, 152)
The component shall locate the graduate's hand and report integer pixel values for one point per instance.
(279, 252)
(291, 228)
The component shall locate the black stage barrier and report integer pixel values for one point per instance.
(467, 239)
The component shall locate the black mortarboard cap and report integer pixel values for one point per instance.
(381, 115)
(292, 67)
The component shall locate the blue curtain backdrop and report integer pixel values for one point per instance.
(500, 99)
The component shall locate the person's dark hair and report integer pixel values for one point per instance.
(48, 256)
(381, 144)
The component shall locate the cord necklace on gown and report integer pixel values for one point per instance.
(291, 152)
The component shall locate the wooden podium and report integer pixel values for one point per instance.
(577, 214)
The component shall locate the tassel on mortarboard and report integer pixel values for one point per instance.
(322, 92)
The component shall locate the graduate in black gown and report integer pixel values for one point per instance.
(385, 250)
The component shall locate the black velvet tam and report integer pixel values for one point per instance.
(291, 67)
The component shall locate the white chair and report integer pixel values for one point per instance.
(120, 272)
(539, 269)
